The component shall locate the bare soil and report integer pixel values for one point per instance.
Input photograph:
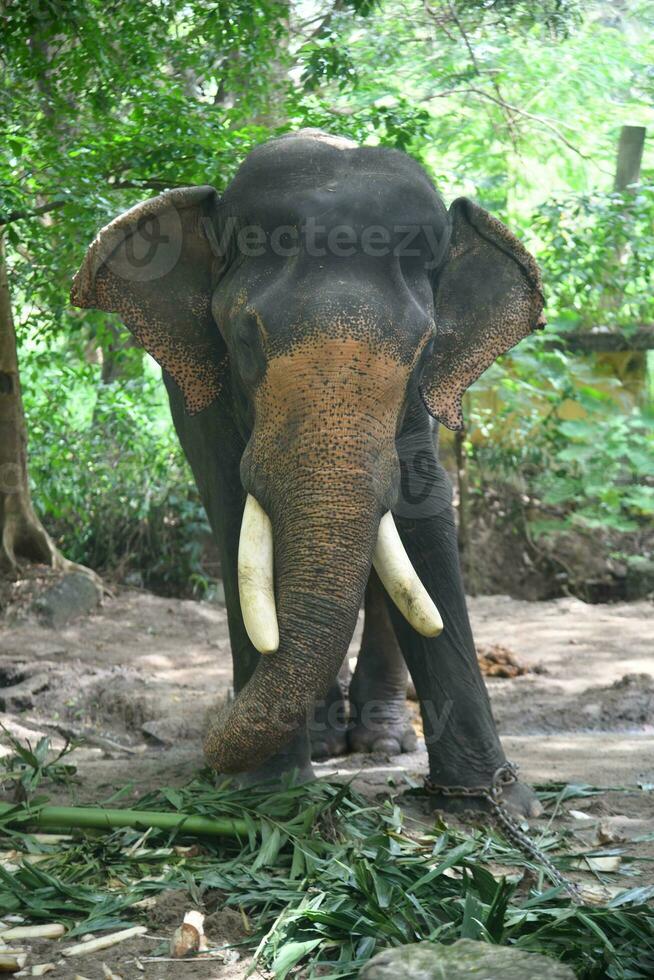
(138, 676)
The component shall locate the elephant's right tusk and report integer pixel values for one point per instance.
(401, 581)
(255, 578)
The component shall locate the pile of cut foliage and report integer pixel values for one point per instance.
(322, 877)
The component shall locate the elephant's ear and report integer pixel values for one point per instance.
(155, 267)
(488, 297)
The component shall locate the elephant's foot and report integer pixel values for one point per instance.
(518, 798)
(522, 800)
(380, 727)
(275, 775)
(327, 744)
(328, 726)
(291, 764)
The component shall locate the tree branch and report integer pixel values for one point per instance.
(32, 213)
(116, 185)
(518, 111)
(506, 109)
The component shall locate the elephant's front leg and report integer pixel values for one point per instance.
(462, 741)
(379, 721)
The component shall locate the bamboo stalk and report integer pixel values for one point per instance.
(51, 930)
(12, 962)
(109, 819)
(104, 942)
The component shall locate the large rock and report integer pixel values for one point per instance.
(640, 578)
(76, 594)
(463, 959)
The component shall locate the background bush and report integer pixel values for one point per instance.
(109, 475)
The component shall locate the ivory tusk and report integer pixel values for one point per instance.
(255, 577)
(401, 581)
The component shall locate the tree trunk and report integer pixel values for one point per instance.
(22, 536)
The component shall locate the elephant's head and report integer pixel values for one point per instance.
(324, 285)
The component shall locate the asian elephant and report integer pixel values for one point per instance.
(311, 322)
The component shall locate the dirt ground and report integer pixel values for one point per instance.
(137, 677)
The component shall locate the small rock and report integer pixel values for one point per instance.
(172, 729)
(76, 594)
(463, 959)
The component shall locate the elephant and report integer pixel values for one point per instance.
(315, 323)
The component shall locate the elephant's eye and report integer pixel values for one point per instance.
(248, 348)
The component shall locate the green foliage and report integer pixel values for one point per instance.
(557, 17)
(600, 471)
(592, 471)
(108, 473)
(327, 880)
(27, 766)
(516, 104)
(597, 256)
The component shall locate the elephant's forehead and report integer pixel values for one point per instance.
(292, 180)
(351, 199)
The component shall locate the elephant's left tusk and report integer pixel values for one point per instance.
(401, 581)
(255, 578)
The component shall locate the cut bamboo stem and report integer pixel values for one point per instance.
(51, 930)
(110, 819)
(104, 942)
(10, 963)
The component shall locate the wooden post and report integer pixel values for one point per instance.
(630, 367)
(630, 157)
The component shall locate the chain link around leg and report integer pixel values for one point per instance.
(505, 775)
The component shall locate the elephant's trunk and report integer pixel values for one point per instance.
(322, 560)
(323, 466)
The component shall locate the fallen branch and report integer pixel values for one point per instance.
(109, 819)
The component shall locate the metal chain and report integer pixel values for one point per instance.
(505, 775)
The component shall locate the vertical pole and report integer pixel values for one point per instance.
(630, 157)
(631, 368)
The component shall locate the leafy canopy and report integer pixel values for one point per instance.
(516, 104)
